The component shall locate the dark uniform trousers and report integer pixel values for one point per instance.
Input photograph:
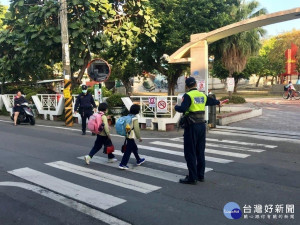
(194, 147)
(85, 114)
(100, 141)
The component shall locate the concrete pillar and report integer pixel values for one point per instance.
(199, 65)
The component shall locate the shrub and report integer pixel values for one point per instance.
(3, 112)
(106, 92)
(234, 99)
(29, 95)
(115, 100)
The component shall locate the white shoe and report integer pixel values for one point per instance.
(87, 159)
(112, 160)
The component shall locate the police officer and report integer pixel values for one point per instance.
(193, 107)
(85, 102)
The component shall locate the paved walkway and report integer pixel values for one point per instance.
(278, 114)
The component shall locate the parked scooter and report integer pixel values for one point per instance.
(26, 115)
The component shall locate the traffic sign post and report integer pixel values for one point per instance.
(152, 102)
(230, 84)
(162, 105)
(98, 92)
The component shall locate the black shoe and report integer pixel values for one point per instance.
(187, 180)
(200, 179)
(83, 132)
(93, 134)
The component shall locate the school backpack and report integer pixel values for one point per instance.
(95, 122)
(286, 87)
(123, 125)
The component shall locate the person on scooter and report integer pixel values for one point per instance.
(291, 89)
(18, 101)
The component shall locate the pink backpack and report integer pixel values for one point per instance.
(95, 121)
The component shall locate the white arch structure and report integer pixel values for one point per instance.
(196, 51)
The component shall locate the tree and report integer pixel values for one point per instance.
(236, 49)
(34, 31)
(180, 19)
(3, 76)
(124, 65)
(276, 51)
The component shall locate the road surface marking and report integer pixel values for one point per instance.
(74, 191)
(105, 177)
(139, 169)
(212, 151)
(207, 158)
(164, 162)
(225, 146)
(68, 202)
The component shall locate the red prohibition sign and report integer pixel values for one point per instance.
(162, 104)
(152, 100)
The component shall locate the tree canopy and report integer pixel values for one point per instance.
(32, 39)
(180, 19)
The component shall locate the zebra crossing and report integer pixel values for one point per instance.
(162, 157)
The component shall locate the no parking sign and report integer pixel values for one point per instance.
(152, 101)
(162, 105)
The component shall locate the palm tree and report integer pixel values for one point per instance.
(236, 49)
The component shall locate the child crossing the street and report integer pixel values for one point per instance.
(103, 137)
(134, 133)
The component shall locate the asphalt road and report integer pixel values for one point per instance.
(44, 180)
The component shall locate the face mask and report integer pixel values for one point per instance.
(84, 91)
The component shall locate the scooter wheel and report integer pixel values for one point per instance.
(32, 121)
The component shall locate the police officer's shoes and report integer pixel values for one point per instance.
(187, 180)
(200, 179)
(83, 132)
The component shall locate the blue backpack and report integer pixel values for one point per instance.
(123, 125)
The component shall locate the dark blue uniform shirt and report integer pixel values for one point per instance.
(85, 101)
(185, 105)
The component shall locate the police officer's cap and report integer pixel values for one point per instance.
(84, 87)
(190, 82)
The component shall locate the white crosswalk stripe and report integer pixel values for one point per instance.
(164, 162)
(212, 151)
(68, 202)
(94, 198)
(105, 177)
(85, 199)
(231, 142)
(241, 143)
(140, 170)
(207, 158)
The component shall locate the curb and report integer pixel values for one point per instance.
(238, 114)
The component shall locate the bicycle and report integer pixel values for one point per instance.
(295, 94)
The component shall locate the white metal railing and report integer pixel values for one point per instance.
(147, 111)
(49, 101)
(11, 98)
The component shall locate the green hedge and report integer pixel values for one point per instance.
(234, 99)
(3, 112)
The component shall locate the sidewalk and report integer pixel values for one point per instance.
(279, 115)
(144, 133)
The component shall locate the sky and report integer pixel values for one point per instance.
(271, 6)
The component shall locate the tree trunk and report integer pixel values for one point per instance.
(236, 81)
(272, 81)
(87, 58)
(171, 88)
(127, 86)
(172, 81)
(258, 81)
(2, 86)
